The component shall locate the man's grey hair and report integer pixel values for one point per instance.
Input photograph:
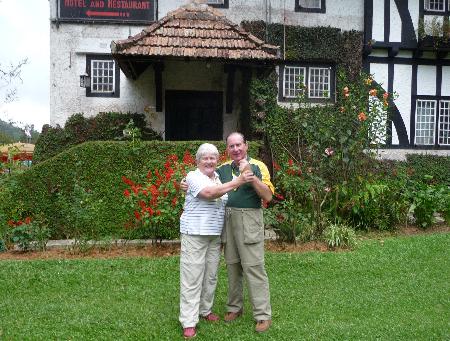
(206, 148)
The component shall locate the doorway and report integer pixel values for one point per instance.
(193, 115)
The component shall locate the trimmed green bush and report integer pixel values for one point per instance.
(430, 165)
(79, 192)
(79, 129)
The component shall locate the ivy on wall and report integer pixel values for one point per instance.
(326, 44)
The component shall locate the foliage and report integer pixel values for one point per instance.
(379, 203)
(157, 203)
(330, 44)
(421, 166)
(434, 33)
(80, 189)
(323, 149)
(338, 235)
(11, 132)
(427, 200)
(27, 234)
(78, 129)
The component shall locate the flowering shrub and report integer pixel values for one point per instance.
(28, 234)
(156, 203)
(324, 150)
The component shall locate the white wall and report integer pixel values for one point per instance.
(402, 88)
(426, 80)
(395, 33)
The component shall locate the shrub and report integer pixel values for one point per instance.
(78, 129)
(337, 235)
(80, 191)
(438, 167)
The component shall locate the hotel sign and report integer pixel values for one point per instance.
(128, 11)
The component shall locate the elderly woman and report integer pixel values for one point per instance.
(201, 226)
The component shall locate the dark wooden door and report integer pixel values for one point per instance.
(193, 115)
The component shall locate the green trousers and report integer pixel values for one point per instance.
(243, 239)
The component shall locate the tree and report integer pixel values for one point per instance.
(9, 74)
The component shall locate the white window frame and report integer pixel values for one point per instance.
(444, 123)
(427, 5)
(97, 80)
(295, 86)
(305, 4)
(323, 87)
(215, 2)
(419, 125)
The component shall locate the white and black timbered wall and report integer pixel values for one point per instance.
(419, 75)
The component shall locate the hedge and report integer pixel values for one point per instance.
(106, 126)
(430, 165)
(80, 190)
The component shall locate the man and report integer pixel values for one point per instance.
(243, 235)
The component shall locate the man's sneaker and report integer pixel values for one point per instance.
(189, 333)
(211, 317)
(262, 326)
(231, 316)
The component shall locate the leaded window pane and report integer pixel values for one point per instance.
(444, 123)
(102, 73)
(425, 122)
(319, 82)
(294, 81)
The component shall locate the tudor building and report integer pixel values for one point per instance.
(188, 64)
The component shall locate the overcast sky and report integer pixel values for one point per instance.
(24, 33)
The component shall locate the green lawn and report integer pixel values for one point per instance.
(395, 290)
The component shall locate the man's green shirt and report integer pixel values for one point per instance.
(244, 196)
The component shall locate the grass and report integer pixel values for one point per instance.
(396, 289)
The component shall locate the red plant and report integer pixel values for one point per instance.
(156, 203)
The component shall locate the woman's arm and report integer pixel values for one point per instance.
(216, 191)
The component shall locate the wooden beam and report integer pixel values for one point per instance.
(230, 71)
(158, 67)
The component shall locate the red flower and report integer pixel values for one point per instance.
(137, 215)
(174, 201)
(362, 116)
(127, 181)
(27, 220)
(126, 193)
(279, 196)
(188, 160)
(291, 162)
(276, 166)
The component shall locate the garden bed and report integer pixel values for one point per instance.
(171, 249)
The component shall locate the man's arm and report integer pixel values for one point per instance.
(261, 189)
(260, 186)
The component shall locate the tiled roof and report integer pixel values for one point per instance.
(197, 31)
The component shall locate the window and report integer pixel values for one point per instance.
(425, 115)
(317, 6)
(318, 81)
(294, 81)
(444, 123)
(104, 76)
(434, 5)
(437, 7)
(218, 3)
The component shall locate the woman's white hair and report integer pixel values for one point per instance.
(206, 148)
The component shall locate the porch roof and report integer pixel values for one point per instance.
(194, 31)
